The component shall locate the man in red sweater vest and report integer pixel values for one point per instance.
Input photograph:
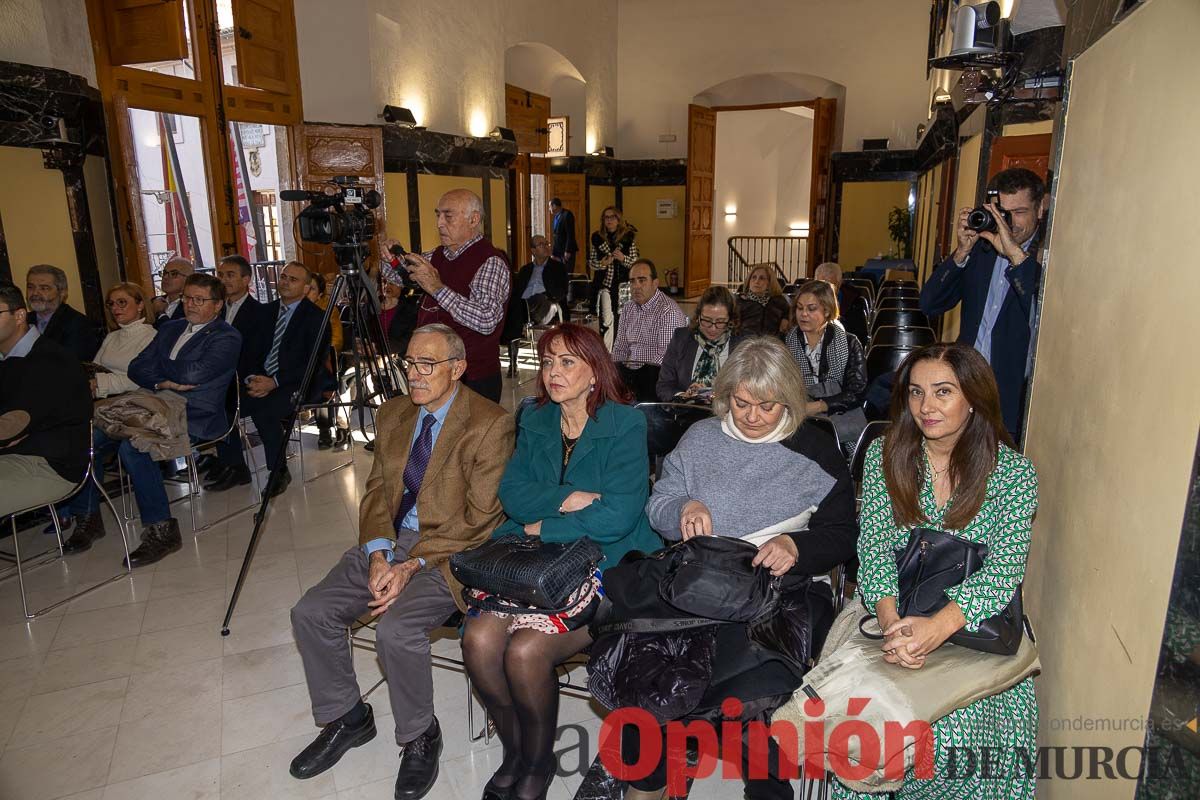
(467, 284)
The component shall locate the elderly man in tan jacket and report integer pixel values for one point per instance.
(439, 456)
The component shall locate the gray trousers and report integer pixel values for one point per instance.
(320, 620)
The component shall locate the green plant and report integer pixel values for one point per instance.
(900, 231)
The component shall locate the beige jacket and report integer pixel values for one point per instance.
(155, 422)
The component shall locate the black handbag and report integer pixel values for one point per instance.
(934, 561)
(712, 577)
(526, 570)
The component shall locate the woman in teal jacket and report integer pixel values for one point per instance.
(580, 469)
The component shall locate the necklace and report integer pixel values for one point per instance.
(568, 447)
(937, 473)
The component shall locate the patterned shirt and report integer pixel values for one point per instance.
(483, 308)
(645, 330)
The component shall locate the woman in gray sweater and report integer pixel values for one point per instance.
(756, 472)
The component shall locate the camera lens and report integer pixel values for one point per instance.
(981, 221)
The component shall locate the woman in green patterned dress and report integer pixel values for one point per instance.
(948, 463)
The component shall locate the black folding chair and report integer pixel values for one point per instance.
(900, 318)
(882, 359)
(890, 335)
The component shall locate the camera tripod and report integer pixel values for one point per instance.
(369, 345)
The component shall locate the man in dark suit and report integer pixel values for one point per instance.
(45, 411)
(170, 305)
(536, 288)
(996, 280)
(563, 228)
(252, 320)
(195, 357)
(46, 289)
(296, 329)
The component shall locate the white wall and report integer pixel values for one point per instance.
(542, 69)
(672, 50)
(47, 33)
(764, 169)
(447, 62)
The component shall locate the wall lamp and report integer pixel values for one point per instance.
(400, 115)
(504, 134)
(607, 152)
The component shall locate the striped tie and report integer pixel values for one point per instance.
(414, 470)
(272, 365)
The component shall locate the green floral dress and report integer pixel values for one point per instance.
(1006, 722)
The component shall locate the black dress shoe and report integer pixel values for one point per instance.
(89, 528)
(158, 541)
(330, 745)
(324, 440)
(341, 439)
(419, 764)
(207, 463)
(216, 474)
(493, 792)
(278, 486)
(231, 477)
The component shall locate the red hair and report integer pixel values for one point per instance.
(586, 344)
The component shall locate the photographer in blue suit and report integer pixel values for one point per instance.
(195, 356)
(997, 280)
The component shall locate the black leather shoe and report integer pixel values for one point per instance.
(279, 486)
(493, 792)
(419, 764)
(369, 446)
(158, 541)
(324, 440)
(231, 477)
(330, 745)
(207, 463)
(215, 475)
(88, 529)
(341, 439)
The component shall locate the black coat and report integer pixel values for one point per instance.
(256, 325)
(563, 238)
(51, 386)
(74, 332)
(676, 373)
(299, 337)
(949, 285)
(176, 314)
(760, 320)
(853, 381)
(554, 278)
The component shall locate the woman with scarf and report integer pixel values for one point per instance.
(793, 500)
(831, 360)
(697, 351)
(761, 305)
(612, 254)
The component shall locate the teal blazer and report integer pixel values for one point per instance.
(610, 459)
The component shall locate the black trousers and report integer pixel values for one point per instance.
(489, 386)
(642, 381)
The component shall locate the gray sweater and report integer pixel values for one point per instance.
(747, 487)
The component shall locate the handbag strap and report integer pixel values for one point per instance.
(878, 637)
(646, 625)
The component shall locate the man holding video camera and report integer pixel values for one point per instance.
(467, 285)
(996, 280)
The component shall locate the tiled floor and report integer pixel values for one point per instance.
(131, 692)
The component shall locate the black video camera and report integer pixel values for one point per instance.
(341, 215)
(981, 220)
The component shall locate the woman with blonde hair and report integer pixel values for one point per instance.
(793, 500)
(761, 305)
(131, 329)
(612, 254)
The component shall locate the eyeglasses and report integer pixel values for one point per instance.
(9, 310)
(118, 303)
(719, 324)
(195, 301)
(422, 367)
(171, 273)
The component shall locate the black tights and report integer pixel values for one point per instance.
(516, 680)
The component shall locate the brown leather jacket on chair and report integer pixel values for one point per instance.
(457, 506)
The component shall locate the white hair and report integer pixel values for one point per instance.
(830, 272)
(454, 343)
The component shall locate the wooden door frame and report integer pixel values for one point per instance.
(693, 208)
(1001, 146)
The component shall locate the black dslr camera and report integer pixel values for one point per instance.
(342, 216)
(981, 220)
